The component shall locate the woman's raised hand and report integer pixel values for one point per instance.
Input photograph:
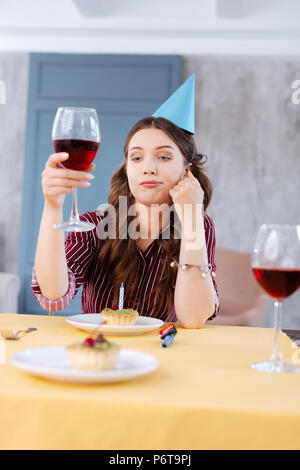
(187, 191)
(58, 181)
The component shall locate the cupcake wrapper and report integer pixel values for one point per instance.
(121, 319)
(86, 358)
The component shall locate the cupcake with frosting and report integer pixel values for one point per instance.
(124, 317)
(93, 354)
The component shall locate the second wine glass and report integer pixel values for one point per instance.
(77, 132)
(276, 266)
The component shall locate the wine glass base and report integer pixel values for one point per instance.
(272, 366)
(75, 226)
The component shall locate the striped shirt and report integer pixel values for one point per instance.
(82, 251)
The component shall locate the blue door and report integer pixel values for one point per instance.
(123, 89)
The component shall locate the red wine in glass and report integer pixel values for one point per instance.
(81, 152)
(278, 282)
(275, 263)
(77, 132)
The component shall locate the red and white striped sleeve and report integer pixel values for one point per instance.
(210, 237)
(81, 249)
(58, 304)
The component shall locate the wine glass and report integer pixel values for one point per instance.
(276, 265)
(76, 131)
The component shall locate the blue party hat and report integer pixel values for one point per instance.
(180, 107)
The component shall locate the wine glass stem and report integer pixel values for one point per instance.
(74, 212)
(276, 353)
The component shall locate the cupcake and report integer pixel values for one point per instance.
(93, 354)
(124, 317)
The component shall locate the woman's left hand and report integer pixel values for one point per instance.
(187, 193)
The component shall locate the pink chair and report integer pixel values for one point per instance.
(242, 301)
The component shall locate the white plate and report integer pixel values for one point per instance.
(53, 363)
(90, 321)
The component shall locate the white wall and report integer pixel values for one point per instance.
(229, 27)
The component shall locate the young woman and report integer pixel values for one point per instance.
(157, 151)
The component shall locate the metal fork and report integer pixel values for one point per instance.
(9, 334)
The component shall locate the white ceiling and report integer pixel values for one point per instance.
(156, 26)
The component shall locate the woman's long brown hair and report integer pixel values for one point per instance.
(120, 255)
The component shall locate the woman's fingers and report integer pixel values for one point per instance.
(67, 182)
(55, 158)
(58, 181)
(65, 173)
(57, 191)
(53, 164)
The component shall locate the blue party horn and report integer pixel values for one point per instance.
(168, 340)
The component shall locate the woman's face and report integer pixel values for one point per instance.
(153, 156)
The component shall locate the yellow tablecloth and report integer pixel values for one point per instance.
(204, 395)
